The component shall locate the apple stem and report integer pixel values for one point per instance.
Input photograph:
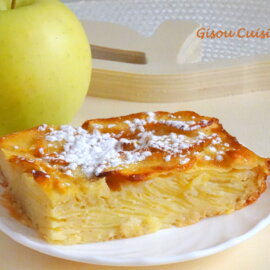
(13, 4)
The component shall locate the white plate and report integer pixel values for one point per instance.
(207, 237)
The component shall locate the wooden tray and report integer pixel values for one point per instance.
(173, 71)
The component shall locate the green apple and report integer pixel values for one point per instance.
(45, 64)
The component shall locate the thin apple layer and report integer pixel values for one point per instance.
(187, 170)
(174, 199)
(152, 205)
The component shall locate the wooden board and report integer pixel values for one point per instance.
(173, 71)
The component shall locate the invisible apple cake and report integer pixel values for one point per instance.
(128, 176)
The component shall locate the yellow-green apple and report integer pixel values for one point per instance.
(45, 64)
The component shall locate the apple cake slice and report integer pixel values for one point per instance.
(128, 176)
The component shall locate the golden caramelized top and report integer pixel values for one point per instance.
(131, 148)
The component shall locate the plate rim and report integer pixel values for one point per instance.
(149, 261)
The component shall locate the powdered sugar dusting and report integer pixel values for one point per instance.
(184, 161)
(42, 127)
(94, 152)
(219, 157)
(207, 157)
(138, 124)
(111, 125)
